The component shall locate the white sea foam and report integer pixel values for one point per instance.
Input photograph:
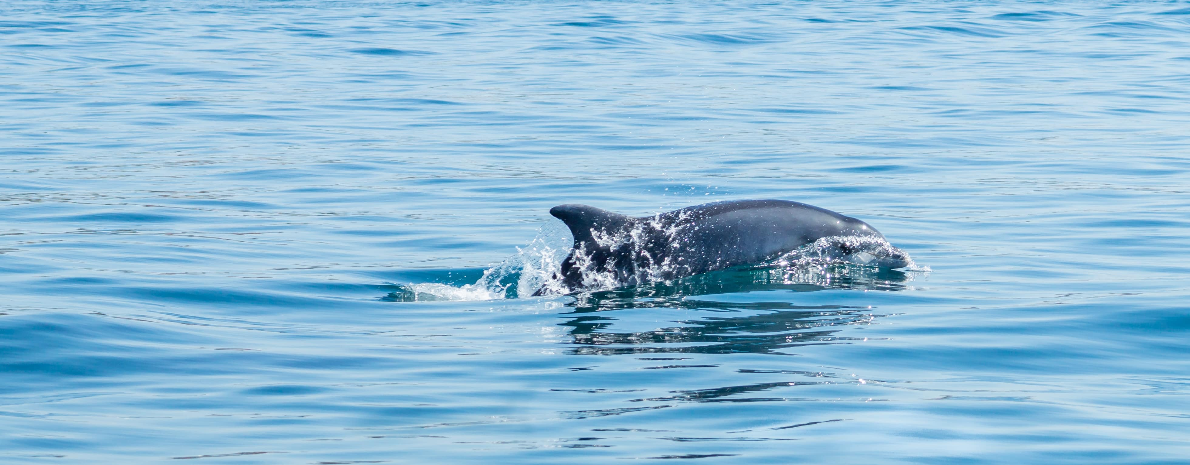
(435, 291)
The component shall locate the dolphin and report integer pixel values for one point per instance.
(613, 250)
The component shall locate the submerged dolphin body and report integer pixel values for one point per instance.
(613, 250)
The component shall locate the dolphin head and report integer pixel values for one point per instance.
(866, 246)
(886, 257)
(852, 227)
(869, 250)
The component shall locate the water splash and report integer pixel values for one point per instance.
(844, 262)
(532, 267)
(856, 250)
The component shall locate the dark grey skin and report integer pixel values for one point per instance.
(696, 239)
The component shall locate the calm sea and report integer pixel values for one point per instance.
(257, 232)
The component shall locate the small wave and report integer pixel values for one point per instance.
(429, 292)
(1035, 16)
(725, 39)
(389, 52)
(967, 30)
(596, 21)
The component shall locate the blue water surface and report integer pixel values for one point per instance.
(256, 232)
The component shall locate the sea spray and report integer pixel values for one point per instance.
(830, 262)
(533, 267)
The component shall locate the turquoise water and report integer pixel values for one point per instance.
(257, 232)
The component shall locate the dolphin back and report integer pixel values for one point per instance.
(612, 250)
(725, 234)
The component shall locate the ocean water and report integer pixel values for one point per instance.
(281, 231)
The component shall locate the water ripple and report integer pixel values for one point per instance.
(264, 227)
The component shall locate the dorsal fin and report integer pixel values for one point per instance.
(583, 219)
